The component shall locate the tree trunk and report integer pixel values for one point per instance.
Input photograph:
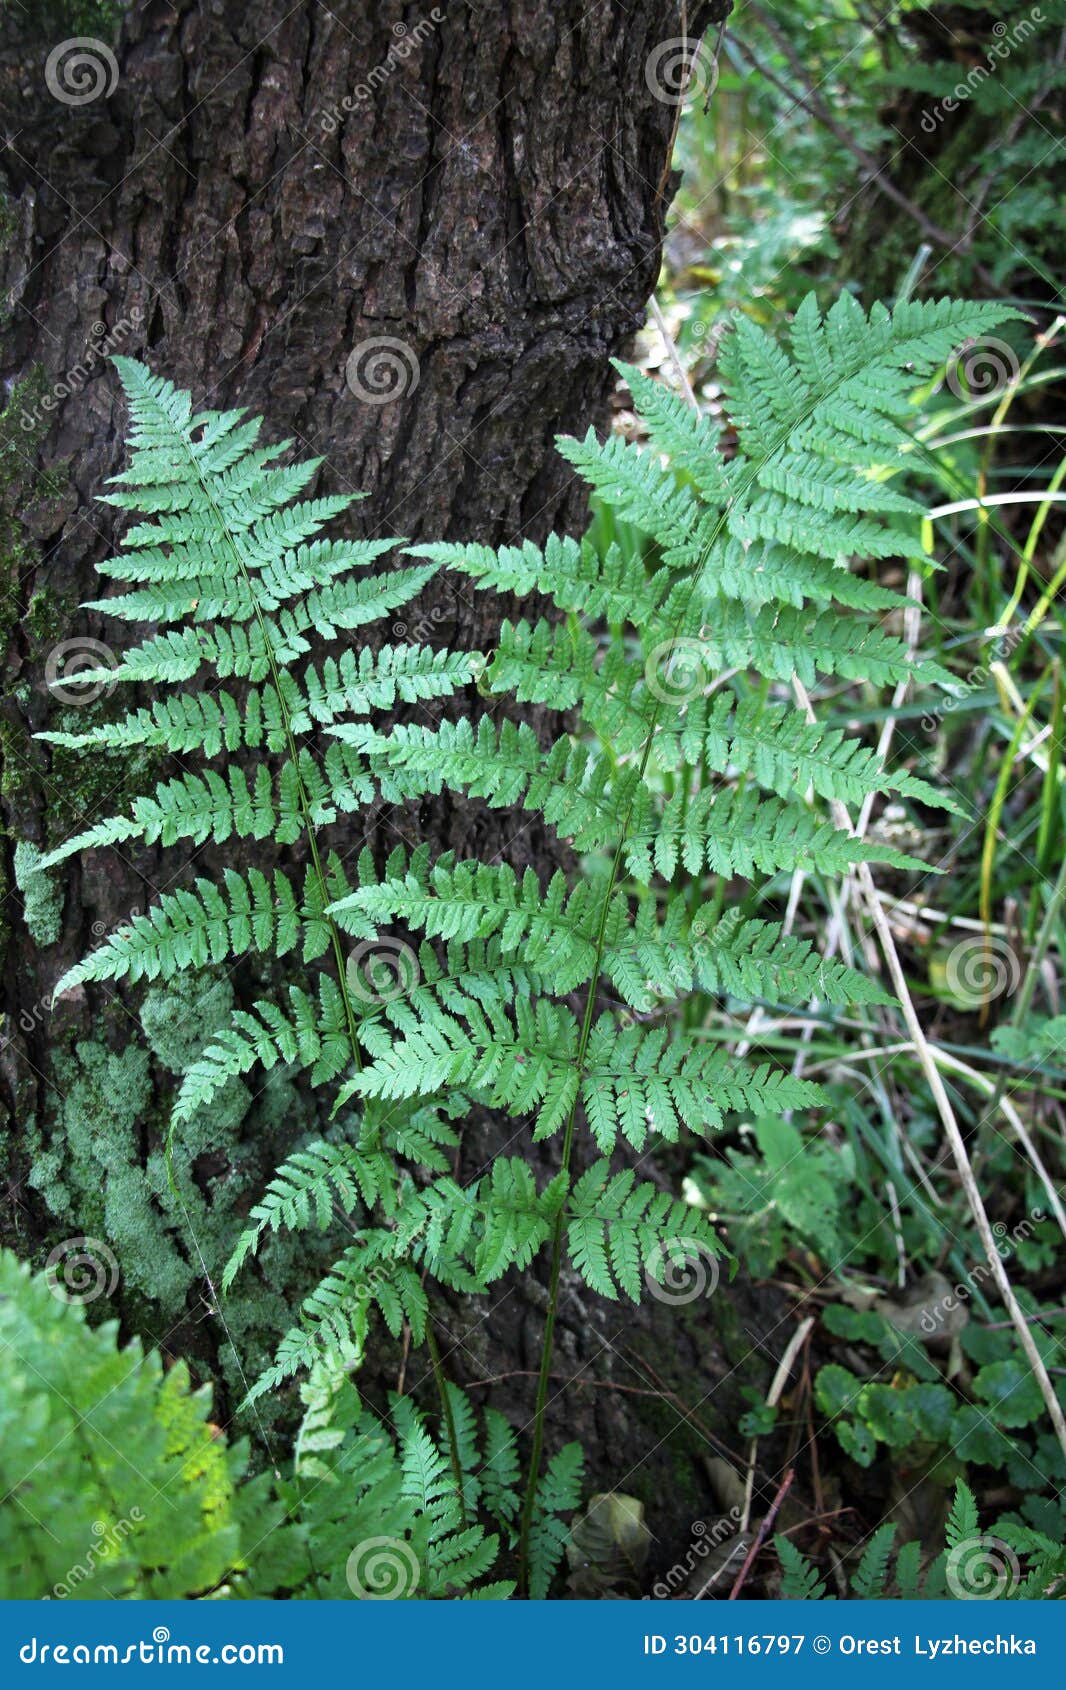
(412, 239)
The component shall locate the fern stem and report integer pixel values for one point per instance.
(529, 1500)
(448, 1418)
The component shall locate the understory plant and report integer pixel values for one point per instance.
(422, 988)
(144, 1498)
(1014, 1563)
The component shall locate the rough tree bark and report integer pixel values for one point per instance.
(262, 190)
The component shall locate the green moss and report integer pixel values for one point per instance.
(18, 777)
(81, 785)
(42, 895)
(101, 1168)
(45, 618)
(49, 20)
(77, 785)
(179, 1018)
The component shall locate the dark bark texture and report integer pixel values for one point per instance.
(264, 189)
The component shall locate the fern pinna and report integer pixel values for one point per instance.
(689, 772)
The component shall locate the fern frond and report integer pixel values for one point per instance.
(570, 784)
(558, 1492)
(552, 927)
(314, 1035)
(849, 372)
(870, 1577)
(572, 573)
(196, 929)
(963, 1521)
(800, 1580)
(306, 1189)
(689, 440)
(190, 807)
(779, 643)
(787, 754)
(358, 683)
(760, 572)
(639, 1081)
(747, 959)
(640, 489)
(738, 831)
(618, 1232)
(525, 1065)
(749, 569)
(500, 1471)
(336, 1314)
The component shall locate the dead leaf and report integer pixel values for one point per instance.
(608, 1545)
